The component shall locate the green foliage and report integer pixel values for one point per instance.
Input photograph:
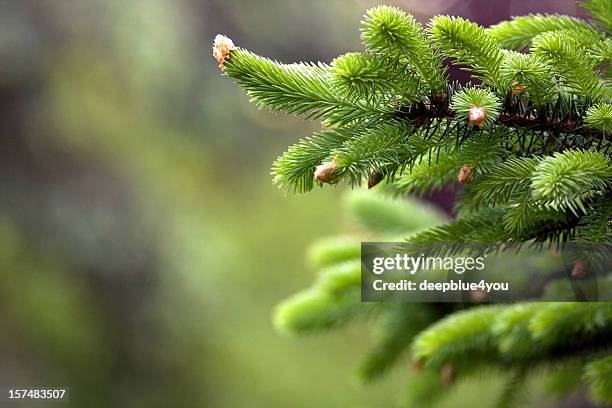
(601, 12)
(531, 72)
(599, 117)
(313, 310)
(499, 185)
(395, 332)
(598, 374)
(462, 339)
(596, 226)
(425, 389)
(470, 45)
(384, 147)
(294, 169)
(529, 145)
(518, 33)
(565, 179)
(372, 77)
(332, 250)
(484, 226)
(390, 31)
(572, 63)
(433, 171)
(304, 89)
(377, 213)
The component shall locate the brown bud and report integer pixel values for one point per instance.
(222, 48)
(326, 173)
(375, 177)
(579, 270)
(477, 116)
(465, 174)
(448, 374)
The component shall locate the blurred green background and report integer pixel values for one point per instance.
(142, 243)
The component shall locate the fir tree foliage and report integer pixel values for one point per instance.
(518, 33)
(529, 140)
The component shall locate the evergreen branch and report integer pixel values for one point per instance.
(517, 34)
(601, 53)
(601, 13)
(482, 150)
(556, 326)
(562, 180)
(512, 331)
(599, 117)
(530, 74)
(503, 181)
(396, 330)
(386, 146)
(379, 214)
(560, 117)
(471, 45)
(511, 391)
(572, 62)
(293, 170)
(313, 311)
(425, 389)
(375, 78)
(596, 225)
(484, 226)
(333, 250)
(531, 146)
(463, 339)
(523, 213)
(303, 89)
(333, 301)
(390, 31)
(429, 174)
(340, 277)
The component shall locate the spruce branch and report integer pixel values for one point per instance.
(470, 45)
(517, 34)
(390, 31)
(530, 147)
(599, 117)
(601, 13)
(529, 75)
(565, 180)
(376, 78)
(505, 180)
(572, 63)
(303, 89)
(294, 170)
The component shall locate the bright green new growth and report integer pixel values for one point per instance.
(572, 63)
(389, 31)
(567, 180)
(534, 75)
(518, 33)
(528, 145)
(470, 45)
(599, 117)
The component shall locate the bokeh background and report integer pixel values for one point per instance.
(142, 244)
